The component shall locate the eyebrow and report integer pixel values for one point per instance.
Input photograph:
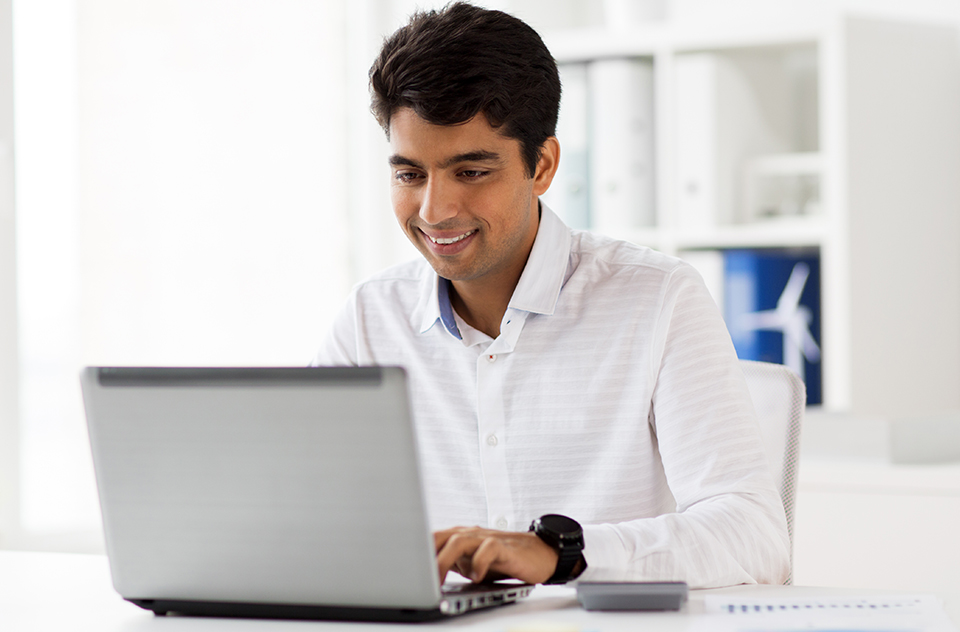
(479, 155)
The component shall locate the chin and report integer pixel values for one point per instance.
(452, 273)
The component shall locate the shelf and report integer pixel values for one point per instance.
(580, 45)
(791, 136)
(787, 232)
(810, 163)
(879, 477)
(772, 233)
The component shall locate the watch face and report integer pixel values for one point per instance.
(561, 525)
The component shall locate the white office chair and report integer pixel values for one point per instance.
(779, 396)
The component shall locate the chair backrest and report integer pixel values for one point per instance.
(779, 397)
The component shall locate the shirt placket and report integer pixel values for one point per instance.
(492, 366)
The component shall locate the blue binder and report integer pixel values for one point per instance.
(772, 309)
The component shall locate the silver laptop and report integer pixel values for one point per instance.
(276, 492)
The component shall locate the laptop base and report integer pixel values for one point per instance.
(161, 607)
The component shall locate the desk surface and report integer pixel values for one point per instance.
(61, 591)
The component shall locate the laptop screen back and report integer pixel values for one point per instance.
(296, 486)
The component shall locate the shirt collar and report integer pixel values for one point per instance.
(435, 304)
(539, 287)
(537, 290)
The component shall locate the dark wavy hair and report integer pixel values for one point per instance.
(450, 65)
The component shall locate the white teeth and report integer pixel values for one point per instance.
(452, 240)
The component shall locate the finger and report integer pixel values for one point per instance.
(440, 537)
(457, 546)
(487, 554)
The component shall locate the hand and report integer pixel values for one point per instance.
(484, 554)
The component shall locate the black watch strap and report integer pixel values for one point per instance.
(565, 536)
(565, 565)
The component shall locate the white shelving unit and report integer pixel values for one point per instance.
(875, 127)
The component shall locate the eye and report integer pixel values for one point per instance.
(406, 177)
(473, 174)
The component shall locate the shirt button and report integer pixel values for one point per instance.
(492, 440)
(501, 523)
(491, 358)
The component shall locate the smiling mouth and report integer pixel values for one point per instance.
(443, 241)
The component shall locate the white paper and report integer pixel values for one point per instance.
(903, 613)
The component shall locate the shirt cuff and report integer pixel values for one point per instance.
(605, 553)
(609, 558)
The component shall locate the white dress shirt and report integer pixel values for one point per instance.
(612, 395)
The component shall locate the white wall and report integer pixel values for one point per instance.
(182, 200)
(9, 356)
(48, 263)
(211, 153)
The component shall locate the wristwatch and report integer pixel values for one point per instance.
(565, 536)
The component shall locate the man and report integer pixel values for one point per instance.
(552, 371)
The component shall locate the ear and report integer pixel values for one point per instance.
(546, 166)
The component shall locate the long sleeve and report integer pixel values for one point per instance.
(729, 526)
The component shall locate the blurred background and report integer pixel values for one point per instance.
(199, 182)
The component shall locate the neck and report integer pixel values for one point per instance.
(482, 303)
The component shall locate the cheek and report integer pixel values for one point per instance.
(521, 202)
(404, 204)
(501, 204)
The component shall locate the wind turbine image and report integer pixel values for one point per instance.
(790, 318)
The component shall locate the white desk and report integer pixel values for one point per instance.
(70, 592)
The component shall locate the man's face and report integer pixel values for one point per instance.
(463, 196)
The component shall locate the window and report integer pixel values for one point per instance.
(182, 199)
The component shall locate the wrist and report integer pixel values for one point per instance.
(565, 536)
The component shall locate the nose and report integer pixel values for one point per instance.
(439, 202)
